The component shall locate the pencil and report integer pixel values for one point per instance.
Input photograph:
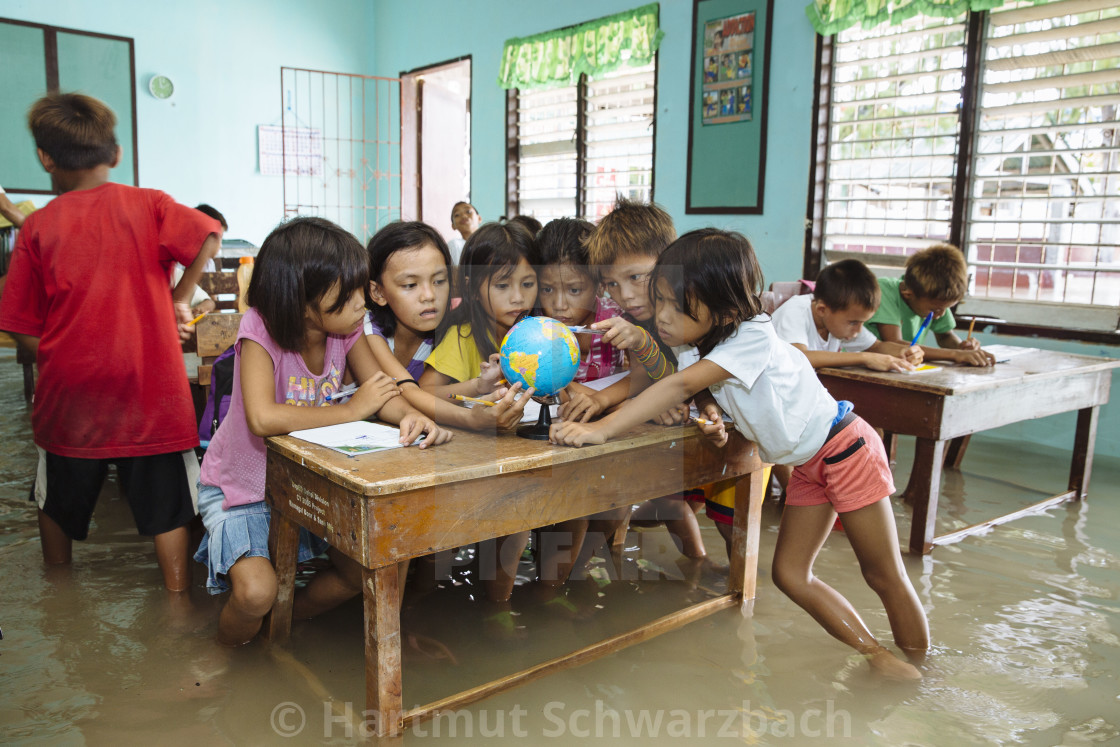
(474, 400)
(194, 321)
(970, 326)
(703, 421)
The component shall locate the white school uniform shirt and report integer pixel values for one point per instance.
(774, 396)
(793, 321)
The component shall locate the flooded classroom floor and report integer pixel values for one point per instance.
(1025, 624)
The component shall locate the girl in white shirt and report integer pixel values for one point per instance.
(706, 289)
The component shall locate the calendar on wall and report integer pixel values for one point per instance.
(290, 150)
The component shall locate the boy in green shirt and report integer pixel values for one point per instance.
(935, 279)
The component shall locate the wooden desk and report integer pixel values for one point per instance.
(955, 401)
(382, 508)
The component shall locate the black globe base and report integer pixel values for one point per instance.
(539, 430)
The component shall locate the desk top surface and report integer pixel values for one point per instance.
(951, 379)
(468, 456)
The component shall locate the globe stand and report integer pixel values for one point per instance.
(539, 431)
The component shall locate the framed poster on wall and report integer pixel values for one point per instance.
(728, 95)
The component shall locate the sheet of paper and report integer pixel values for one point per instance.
(353, 439)
(601, 384)
(1004, 353)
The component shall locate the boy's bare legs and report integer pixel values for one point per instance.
(173, 559)
(498, 580)
(600, 529)
(253, 583)
(331, 587)
(58, 548)
(560, 546)
(678, 518)
(725, 531)
(871, 530)
(802, 532)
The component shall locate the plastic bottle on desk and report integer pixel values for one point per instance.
(244, 275)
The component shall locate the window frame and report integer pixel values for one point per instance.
(51, 68)
(962, 181)
(513, 202)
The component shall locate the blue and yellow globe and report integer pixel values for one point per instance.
(540, 352)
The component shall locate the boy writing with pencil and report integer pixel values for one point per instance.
(112, 386)
(935, 279)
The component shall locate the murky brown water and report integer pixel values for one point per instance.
(1025, 624)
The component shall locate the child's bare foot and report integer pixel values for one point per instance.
(430, 647)
(890, 666)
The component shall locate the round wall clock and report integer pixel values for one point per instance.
(161, 86)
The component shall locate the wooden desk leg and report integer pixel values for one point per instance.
(1083, 442)
(954, 454)
(382, 602)
(923, 490)
(283, 545)
(743, 574)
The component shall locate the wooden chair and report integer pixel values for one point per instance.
(782, 291)
(214, 334)
(222, 288)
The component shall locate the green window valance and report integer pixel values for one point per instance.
(833, 16)
(558, 58)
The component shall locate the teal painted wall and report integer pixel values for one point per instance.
(453, 29)
(225, 59)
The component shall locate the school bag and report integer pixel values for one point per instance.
(217, 403)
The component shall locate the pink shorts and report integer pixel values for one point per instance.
(850, 471)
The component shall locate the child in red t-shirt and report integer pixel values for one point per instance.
(87, 292)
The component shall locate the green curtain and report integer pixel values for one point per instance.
(833, 16)
(558, 58)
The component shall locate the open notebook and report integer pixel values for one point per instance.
(352, 439)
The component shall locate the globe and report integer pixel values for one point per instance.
(542, 353)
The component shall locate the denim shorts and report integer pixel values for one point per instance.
(240, 532)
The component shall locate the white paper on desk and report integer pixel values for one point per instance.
(601, 384)
(352, 439)
(1004, 353)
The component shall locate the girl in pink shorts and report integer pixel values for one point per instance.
(705, 287)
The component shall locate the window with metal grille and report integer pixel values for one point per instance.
(996, 131)
(572, 150)
(1043, 219)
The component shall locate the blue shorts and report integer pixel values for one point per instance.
(241, 532)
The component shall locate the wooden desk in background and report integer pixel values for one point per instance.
(954, 401)
(391, 506)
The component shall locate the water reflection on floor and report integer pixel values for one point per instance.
(1024, 621)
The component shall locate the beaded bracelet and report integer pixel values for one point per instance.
(652, 359)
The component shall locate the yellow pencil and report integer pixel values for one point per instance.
(970, 326)
(474, 400)
(194, 321)
(703, 421)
